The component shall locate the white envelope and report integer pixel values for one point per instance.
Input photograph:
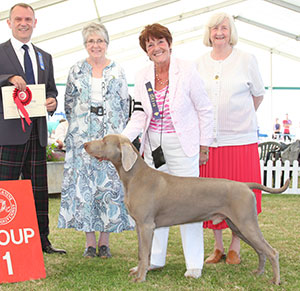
(35, 108)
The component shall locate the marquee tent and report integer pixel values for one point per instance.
(270, 29)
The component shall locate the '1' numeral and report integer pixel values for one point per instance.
(8, 262)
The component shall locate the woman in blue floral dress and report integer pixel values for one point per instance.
(96, 104)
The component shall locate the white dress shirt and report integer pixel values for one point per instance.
(17, 45)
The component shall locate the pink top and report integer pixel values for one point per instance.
(165, 124)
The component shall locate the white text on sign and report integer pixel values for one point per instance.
(23, 237)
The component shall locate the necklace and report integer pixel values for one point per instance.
(161, 82)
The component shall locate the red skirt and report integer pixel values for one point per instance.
(238, 163)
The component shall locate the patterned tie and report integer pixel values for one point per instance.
(28, 66)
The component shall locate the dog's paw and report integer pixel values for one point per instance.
(139, 279)
(258, 272)
(193, 273)
(133, 271)
(275, 281)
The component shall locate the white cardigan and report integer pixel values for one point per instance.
(231, 85)
(190, 108)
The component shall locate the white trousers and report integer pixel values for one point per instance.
(178, 164)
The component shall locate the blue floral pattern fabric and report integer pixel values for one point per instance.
(92, 194)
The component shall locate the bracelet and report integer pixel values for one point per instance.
(204, 152)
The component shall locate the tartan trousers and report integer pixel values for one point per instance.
(29, 162)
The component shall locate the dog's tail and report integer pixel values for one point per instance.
(267, 189)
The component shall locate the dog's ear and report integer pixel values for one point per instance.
(129, 156)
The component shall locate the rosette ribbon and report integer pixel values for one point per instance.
(22, 99)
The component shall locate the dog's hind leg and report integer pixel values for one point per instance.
(145, 236)
(263, 249)
(252, 235)
(261, 256)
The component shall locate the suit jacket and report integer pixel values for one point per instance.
(11, 132)
(190, 108)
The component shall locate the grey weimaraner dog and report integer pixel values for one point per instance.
(155, 199)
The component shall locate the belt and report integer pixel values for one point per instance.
(97, 110)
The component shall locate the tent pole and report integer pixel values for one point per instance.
(271, 87)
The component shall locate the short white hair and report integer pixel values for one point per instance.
(97, 28)
(215, 20)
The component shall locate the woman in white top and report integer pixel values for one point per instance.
(178, 119)
(96, 104)
(235, 87)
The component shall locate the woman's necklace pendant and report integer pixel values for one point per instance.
(161, 82)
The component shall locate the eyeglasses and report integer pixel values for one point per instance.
(92, 42)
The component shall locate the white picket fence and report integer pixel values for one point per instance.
(276, 172)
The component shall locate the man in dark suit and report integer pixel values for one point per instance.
(23, 150)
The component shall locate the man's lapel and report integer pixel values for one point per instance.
(12, 57)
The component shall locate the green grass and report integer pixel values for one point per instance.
(279, 222)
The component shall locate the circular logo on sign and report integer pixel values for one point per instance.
(8, 207)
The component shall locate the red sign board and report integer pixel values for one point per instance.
(21, 256)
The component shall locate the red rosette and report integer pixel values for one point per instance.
(22, 99)
(24, 96)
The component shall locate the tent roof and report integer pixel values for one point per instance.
(270, 29)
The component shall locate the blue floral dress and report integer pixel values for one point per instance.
(92, 193)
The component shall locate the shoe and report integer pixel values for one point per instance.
(49, 249)
(193, 273)
(216, 257)
(90, 252)
(233, 258)
(104, 252)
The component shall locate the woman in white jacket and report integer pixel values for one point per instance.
(173, 113)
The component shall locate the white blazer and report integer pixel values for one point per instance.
(190, 108)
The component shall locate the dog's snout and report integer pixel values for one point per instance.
(85, 145)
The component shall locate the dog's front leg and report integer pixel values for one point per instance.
(133, 271)
(145, 235)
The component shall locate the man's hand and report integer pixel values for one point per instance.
(18, 82)
(50, 104)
